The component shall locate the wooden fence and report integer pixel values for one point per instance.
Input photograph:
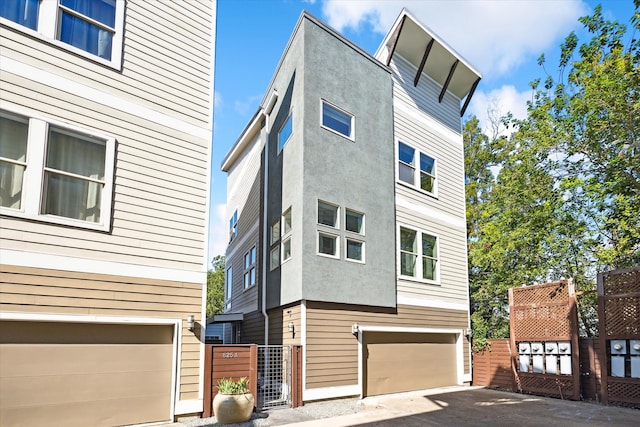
(493, 367)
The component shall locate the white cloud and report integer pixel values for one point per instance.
(497, 103)
(247, 105)
(217, 100)
(218, 236)
(493, 35)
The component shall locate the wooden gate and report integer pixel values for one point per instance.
(544, 339)
(241, 360)
(619, 316)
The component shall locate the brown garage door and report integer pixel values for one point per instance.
(84, 374)
(396, 362)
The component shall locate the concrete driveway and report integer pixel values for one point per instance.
(474, 406)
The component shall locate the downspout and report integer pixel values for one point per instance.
(265, 232)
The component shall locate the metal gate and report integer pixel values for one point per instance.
(274, 376)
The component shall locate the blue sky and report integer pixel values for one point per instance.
(501, 38)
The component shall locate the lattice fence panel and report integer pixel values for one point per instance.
(542, 311)
(623, 393)
(619, 311)
(621, 282)
(547, 385)
(622, 316)
(544, 331)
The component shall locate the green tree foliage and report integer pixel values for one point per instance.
(215, 286)
(566, 199)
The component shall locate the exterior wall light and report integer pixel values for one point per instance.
(468, 333)
(291, 328)
(355, 328)
(191, 323)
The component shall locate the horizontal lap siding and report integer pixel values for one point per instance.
(279, 319)
(141, 80)
(453, 263)
(32, 290)
(161, 173)
(425, 95)
(332, 351)
(243, 186)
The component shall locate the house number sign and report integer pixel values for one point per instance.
(229, 355)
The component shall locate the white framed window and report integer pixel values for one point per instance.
(337, 120)
(275, 232)
(354, 221)
(354, 250)
(228, 289)
(416, 169)
(419, 255)
(328, 245)
(233, 226)
(250, 268)
(286, 235)
(91, 28)
(328, 214)
(55, 172)
(285, 132)
(274, 259)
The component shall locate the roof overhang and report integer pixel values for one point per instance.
(431, 56)
(225, 318)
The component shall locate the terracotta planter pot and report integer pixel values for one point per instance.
(233, 408)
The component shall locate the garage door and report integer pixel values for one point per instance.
(84, 374)
(396, 362)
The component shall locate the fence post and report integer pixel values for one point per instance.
(296, 376)
(208, 374)
(602, 338)
(253, 373)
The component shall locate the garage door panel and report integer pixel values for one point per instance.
(99, 412)
(22, 360)
(103, 380)
(399, 362)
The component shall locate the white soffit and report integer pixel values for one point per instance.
(412, 44)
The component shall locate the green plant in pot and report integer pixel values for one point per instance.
(234, 402)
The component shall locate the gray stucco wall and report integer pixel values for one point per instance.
(356, 174)
(318, 164)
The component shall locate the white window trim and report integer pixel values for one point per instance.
(47, 29)
(281, 145)
(362, 242)
(233, 226)
(337, 238)
(286, 236)
(418, 277)
(33, 178)
(284, 241)
(351, 137)
(338, 222)
(417, 170)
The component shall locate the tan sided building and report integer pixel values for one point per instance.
(105, 140)
(347, 230)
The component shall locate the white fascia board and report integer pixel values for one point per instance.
(247, 136)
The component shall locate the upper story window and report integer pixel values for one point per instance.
(286, 235)
(418, 255)
(55, 173)
(92, 28)
(416, 168)
(337, 120)
(285, 132)
(354, 221)
(228, 289)
(327, 214)
(250, 268)
(233, 225)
